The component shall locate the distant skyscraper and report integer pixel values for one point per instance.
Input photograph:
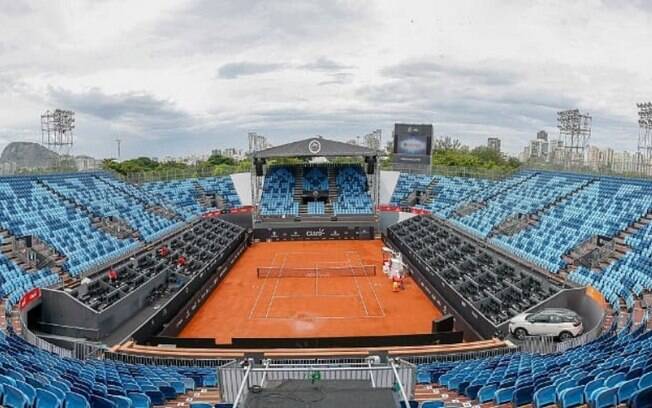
(493, 143)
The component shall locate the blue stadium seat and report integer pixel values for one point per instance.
(47, 399)
(120, 401)
(14, 398)
(642, 398)
(572, 397)
(140, 400)
(545, 396)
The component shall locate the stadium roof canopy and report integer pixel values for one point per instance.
(316, 147)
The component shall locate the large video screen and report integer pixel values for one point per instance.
(413, 140)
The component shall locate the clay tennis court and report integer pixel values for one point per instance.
(274, 302)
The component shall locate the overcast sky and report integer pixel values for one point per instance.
(178, 77)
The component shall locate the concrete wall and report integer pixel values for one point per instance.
(242, 183)
(388, 180)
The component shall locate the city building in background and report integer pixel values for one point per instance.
(493, 143)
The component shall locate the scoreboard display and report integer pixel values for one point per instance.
(412, 144)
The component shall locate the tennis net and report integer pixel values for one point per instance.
(272, 272)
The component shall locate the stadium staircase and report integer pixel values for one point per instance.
(332, 190)
(297, 195)
(430, 192)
(202, 395)
(621, 247)
(13, 316)
(202, 197)
(7, 249)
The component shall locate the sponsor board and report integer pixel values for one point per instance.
(314, 233)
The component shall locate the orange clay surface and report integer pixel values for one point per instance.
(244, 306)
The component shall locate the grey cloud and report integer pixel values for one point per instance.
(115, 106)
(14, 8)
(438, 71)
(338, 78)
(324, 64)
(250, 23)
(234, 70)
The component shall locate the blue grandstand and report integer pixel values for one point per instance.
(529, 195)
(408, 183)
(106, 200)
(277, 198)
(561, 212)
(184, 194)
(450, 191)
(29, 208)
(603, 373)
(35, 378)
(352, 192)
(603, 207)
(315, 178)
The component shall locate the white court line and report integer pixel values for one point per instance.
(370, 283)
(321, 318)
(313, 296)
(278, 280)
(355, 279)
(260, 291)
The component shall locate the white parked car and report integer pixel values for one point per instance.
(561, 323)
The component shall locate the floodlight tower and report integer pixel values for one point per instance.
(575, 133)
(56, 131)
(644, 159)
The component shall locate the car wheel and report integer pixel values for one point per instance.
(563, 336)
(520, 333)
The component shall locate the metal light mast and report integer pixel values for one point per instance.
(57, 131)
(575, 133)
(644, 159)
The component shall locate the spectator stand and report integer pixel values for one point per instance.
(331, 193)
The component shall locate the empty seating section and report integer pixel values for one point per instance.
(494, 287)
(450, 191)
(352, 191)
(28, 208)
(568, 209)
(530, 195)
(14, 282)
(609, 371)
(184, 194)
(277, 197)
(181, 193)
(208, 241)
(108, 201)
(33, 374)
(406, 184)
(140, 194)
(222, 186)
(626, 277)
(315, 178)
(604, 207)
